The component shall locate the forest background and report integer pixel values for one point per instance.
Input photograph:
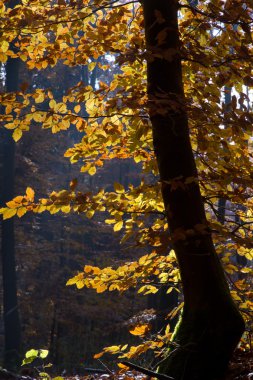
(77, 69)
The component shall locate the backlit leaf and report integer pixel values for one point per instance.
(97, 356)
(140, 329)
(118, 226)
(30, 194)
(9, 213)
(17, 134)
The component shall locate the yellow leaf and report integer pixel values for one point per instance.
(23, 57)
(54, 209)
(10, 126)
(77, 108)
(109, 221)
(96, 270)
(147, 289)
(60, 107)
(18, 199)
(8, 110)
(31, 64)
(118, 188)
(73, 184)
(249, 254)
(118, 226)
(88, 268)
(90, 213)
(17, 134)
(21, 211)
(112, 349)
(167, 330)
(44, 64)
(11, 204)
(140, 329)
(101, 288)
(114, 287)
(71, 281)
(9, 213)
(79, 284)
(92, 170)
(90, 104)
(66, 209)
(123, 366)
(52, 103)
(4, 46)
(39, 116)
(40, 98)
(30, 194)
(41, 208)
(143, 259)
(91, 66)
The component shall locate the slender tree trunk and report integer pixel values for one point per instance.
(211, 326)
(10, 304)
(222, 202)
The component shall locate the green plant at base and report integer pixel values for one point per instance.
(42, 354)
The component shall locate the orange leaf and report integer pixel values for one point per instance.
(97, 356)
(123, 366)
(30, 194)
(140, 329)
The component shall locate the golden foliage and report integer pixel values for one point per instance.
(115, 125)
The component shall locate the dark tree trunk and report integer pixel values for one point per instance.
(211, 326)
(10, 304)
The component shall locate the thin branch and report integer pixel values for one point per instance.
(217, 18)
(148, 372)
(41, 27)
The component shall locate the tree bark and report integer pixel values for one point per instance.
(12, 358)
(211, 326)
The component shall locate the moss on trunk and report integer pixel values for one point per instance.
(204, 342)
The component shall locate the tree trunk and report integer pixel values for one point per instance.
(10, 304)
(211, 326)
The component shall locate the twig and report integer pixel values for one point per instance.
(148, 372)
(107, 369)
(96, 370)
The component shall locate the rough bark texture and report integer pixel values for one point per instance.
(10, 305)
(211, 326)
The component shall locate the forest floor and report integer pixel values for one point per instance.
(241, 368)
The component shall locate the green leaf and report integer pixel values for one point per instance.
(31, 353)
(28, 360)
(30, 356)
(43, 354)
(44, 375)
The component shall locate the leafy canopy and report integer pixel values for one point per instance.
(113, 123)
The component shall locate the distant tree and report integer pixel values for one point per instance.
(10, 303)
